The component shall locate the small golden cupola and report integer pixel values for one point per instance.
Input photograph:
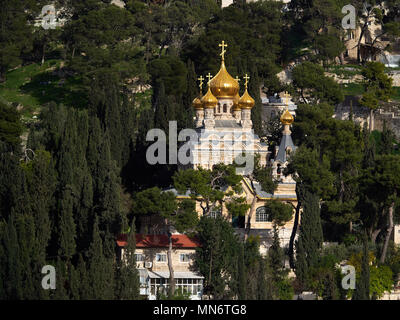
(209, 101)
(246, 101)
(287, 118)
(197, 104)
(223, 85)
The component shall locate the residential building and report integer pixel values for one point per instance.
(152, 263)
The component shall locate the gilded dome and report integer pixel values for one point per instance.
(197, 104)
(223, 85)
(246, 101)
(286, 117)
(208, 100)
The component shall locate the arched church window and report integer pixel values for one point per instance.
(262, 214)
(288, 151)
(219, 108)
(225, 108)
(279, 169)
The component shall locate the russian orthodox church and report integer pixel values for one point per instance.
(223, 122)
(225, 130)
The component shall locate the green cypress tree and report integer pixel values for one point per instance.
(242, 281)
(330, 290)
(254, 91)
(362, 286)
(276, 256)
(10, 127)
(28, 256)
(301, 266)
(61, 292)
(263, 287)
(41, 181)
(13, 275)
(386, 140)
(129, 114)
(67, 227)
(160, 108)
(217, 257)
(310, 238)
(84, 285)
(174, 110)
(101, 273)
(3, 261)
(191, 92)
(107, 198)
(74, 283)
(127, 276)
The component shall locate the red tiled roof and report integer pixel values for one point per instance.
(159, 241)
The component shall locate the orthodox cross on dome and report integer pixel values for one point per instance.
(209, 76)
(223, 45)
(246, 78)
(237, 79)
(201, 82)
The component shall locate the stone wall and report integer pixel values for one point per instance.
(392, 118)
(388, 114)
(360, 114)
(395, 75)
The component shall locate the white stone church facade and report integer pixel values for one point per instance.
(225, 131)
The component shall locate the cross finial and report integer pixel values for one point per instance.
(201, 82)
(223, 45)
(246, 78)
(209, 76)
(237, 79)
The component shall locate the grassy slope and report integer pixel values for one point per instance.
(33, 85)
(356, 88)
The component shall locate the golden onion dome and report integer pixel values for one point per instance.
(197, 104)
(286, 117)
(246, 101)
(208, 100)
(236, 102)
(223, 85)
